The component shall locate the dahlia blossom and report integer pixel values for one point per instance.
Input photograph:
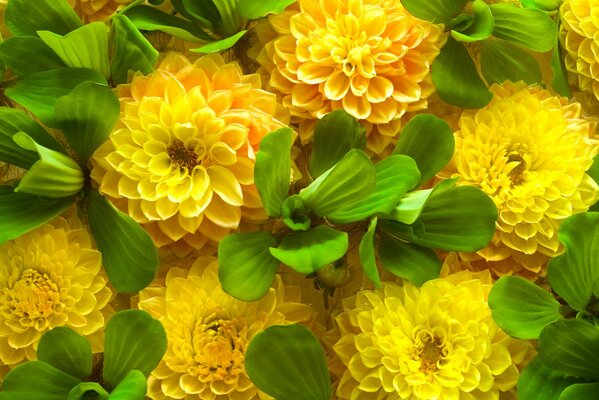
(208, 332)
(181, 159)
(528, 150)
(368, 57)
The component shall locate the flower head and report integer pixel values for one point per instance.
(434, 342)
(528, 150)
(50, 277)
(181, 159)
(208, 332)
(368, 57)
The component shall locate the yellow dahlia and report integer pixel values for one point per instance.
(50, 277)
(97, 10)
(181, 159)
(434, 342)
(208, 332)
(528, 150)
(369, 57)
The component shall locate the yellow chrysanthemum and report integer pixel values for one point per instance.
(50, 277)
(528, 150)
(369, 57)
(97, 10)
(208, 332)
(181, 159)
(434, 342)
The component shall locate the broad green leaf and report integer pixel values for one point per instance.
(410, 206)
(21, 212)
(259, 9)
(86, 116)
(526, 27)
(581, 391)
(456, 78)
(220, 45)
(132, 51)
(502, 61)
(343, 186)
(539, 382)
(246, 269)
(573, 273)
(429, 141)
(367, 256)
(36, 380)
(481, 27)
(39, 91)
(593, 172)
(545, 5)
(288, 363)
(307, 252)
(66, 350)
(571, 346)
(295, 215)
(132, 387)
(128, 253)
(460, 23)
(334, 135)
(147, 18)
(88, 390)
(521, 308)
(439, 11)
(134, 341)
(272, 171)
(204, 11)
(407, 260)
(231, 21)
(26, 17)
(26, 54)
(559, 81)
(53, 175)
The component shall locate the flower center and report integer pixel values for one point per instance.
(430, 352)
(182, 156)
(517, 174)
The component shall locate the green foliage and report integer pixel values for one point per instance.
(133, 386)
(559, 81)
(87, 390)
(539, 382)
(67, 351)
(36, 380)
(481, 26)
(25, 17)
(526, 27)
(295, 213)
(368, 255)
(258, 9)
(501, 61)
(288, 363)
(581, 391)
(17, 51)
(220, 45)
(439, 11)
(146, 18)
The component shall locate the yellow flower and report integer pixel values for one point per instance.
(208, 332)
(528, 150)
(50, 277)
(181, 159)
(434, 342)
(369, 57)
(97, 10)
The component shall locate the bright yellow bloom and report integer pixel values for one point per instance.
(181, 159)
(369, 57)
(50, 277)
(97, 10)
(208, 332)
(528, 150)
(434, 342)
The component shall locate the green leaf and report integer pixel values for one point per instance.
(539, 382)
(220, 45)
(147, 18)
(259, 9)
(439, 11)
(26, 54)
(39, 91)
(559, 81)
(132, 387)
(246, 269)
(204, 11)
(571, 346)
(54, 175)
(545, 5)
(526, 27)
(132, 51)
(128, 253)
(307, 252)
(88, 390)
(66, 350)
(86, 116)
(410, 206)
(295, 215)
(334, 135)
(429, 141)
(367, 256)
(343, 186)
(406, 260)
(272, 171)
(26, 17)
(288, 363)
(573, 273)
(456, 78)
(21, 212)
(481, 27)
(36, 380)
(395, 175)
(134, 341)
(581, 391)
(521, 308)
(502, 61)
